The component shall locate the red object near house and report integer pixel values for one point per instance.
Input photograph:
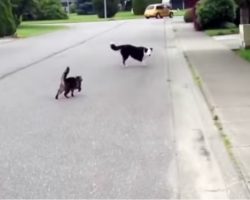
(180, 4)
(190, 3)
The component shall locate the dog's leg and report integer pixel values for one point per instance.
(72, 92)
(124, 61)
(124, 58)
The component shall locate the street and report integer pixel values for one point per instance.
(133, 132)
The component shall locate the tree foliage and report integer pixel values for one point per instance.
(112, 8)
(19, 7)
(37, 10)
(7, 22)
(50, 9)
(213, 13)
(139, 6)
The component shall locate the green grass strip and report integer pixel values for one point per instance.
(244, 53)
(74, 18)
(224, 31)
(28, 30)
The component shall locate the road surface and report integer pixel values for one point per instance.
(133, 132)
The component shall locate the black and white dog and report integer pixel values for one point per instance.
(69, 84)
(138, 53)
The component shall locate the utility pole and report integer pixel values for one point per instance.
(68, 9)
(105, 9)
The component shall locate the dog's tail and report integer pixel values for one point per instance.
(64, 75)
(114, 47)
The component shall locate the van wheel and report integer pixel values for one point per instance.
(158, 16)
(147, 17)
(171, 15)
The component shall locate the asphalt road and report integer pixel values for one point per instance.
(135, 132)
(113, 140)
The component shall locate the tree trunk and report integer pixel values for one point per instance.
(245, 15)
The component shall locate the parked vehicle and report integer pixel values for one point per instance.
(158, 11)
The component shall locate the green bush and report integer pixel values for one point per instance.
(46, 10)
(212, 13)
(188, 16)
(112, 8)
(7, 21)
(51, 9)
(139, 6)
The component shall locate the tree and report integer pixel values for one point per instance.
(37, 10)
(7, 22)
(112, 8)
(50, 9)
(139, 6)
(19, 7)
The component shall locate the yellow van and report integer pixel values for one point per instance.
(158, 11)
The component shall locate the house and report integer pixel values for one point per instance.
(65, 2)
(70, 1)
(84, 7)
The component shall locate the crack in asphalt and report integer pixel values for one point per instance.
(58, 52)
(177, 193)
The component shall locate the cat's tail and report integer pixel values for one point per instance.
(65, 74)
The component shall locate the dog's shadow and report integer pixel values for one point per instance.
(135, 66)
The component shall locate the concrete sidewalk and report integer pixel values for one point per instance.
(226, 87)
(231, 41)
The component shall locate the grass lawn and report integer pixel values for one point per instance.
(33, 28)
(26, 30)
(74, 18)
(225, 31)
(179, 12)
(244, 53)
(127, 15)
